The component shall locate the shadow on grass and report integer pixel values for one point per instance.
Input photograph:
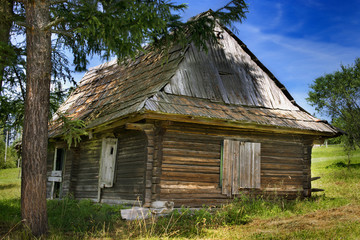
(8, 186)
(10, 210)
(9, 214)
(342, 164)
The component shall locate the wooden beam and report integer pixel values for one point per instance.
(116, 123)
(139, 126)
(234, 124)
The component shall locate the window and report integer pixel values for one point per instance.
(107, 162)
(240, 166)
(57, 173)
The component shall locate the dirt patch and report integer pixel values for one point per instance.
(321, 219)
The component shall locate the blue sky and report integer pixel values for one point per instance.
(297, 40)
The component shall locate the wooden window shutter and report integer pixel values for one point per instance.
(240, 166)
(107, 162)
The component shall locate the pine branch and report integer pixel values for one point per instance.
(22, 24)
(57, 1)
(53, 23)
(65, 33)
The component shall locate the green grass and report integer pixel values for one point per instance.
(9, 197)
(332, 214)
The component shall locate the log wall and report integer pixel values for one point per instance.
(180, 162)
(191, 154)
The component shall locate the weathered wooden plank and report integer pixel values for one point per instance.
(206, 146)
(201, 177)
(190, 168)
(281, 159)
(256, 168)
(281, 172)
(283, 167)
(191, 153)
(191, 190)
(179, 184)
(226, 181)
(173, 134)
(194, 196)
(235, 165)
(198, 202)
(191, 160)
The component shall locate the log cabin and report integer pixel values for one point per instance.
(186, 126)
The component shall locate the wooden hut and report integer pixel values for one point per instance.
(185, 126)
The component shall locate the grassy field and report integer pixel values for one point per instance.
(332, 214)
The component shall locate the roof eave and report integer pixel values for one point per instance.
(237, 124)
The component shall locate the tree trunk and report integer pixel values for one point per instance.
(6, 16)
(35, 132)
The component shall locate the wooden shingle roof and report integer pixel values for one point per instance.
(227, 83)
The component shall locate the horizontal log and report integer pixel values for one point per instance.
(190, 168)
(134, 169)
(201, 177)
(267, 182)
(191, 160)
(281, 159)
(204, 146)
(190, 137)
(86, 195)
(131, 155)
(197, 202)
(280, 173)
(187, 184)
(86, 188)
(189, 152)
(283, 167)
(190, 196)
(131, 174)
(278, 150)
(124, 189)
(130, 202)
(85, 177)
(136, 147)
(191, 190)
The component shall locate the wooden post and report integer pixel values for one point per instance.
(6, 143)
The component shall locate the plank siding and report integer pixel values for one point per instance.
(129, 174)
(85, 170)
(191, 164)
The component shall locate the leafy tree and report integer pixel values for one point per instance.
(105, 28)
(337, 95)
(13, 64)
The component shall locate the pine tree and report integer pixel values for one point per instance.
(88, 27)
